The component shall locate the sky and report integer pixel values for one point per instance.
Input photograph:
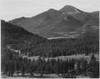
(10, 9)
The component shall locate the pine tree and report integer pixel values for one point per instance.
(78, 67)
(40, 66)
(48, 68)
(58, 66)
(83, 65)
(93, 68)
(5, 68)
(31, 67)
(11, 68)
(23, 69)
(17, 66)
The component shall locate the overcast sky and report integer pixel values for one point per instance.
(11, 9)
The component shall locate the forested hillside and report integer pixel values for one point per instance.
(19, 39)
(16, 36)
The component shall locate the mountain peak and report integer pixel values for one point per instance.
(52, 10)
(68, 6)
(52, 13)
(68, 9)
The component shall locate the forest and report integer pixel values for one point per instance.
(19, 39)
(12, 64)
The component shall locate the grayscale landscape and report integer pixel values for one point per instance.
(60, 43)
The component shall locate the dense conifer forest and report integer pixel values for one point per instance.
(16, 38)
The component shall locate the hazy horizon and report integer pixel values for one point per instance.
(11, 9)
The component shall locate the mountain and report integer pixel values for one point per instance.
(68, 22)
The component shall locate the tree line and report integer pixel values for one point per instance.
(12, 64)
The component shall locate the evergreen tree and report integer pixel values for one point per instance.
(58, 66)
(48, 66)
(31, 67)
(93, 68)
(17, 66)
(84, 65)
(23, 69)
(11, 68)
(78, 63)
(6, 68)
(40, 66)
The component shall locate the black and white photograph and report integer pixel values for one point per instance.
(49, 39)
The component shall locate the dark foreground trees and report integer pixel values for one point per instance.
(15, 64)
(93, 67)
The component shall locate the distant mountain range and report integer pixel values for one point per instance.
(68, 22)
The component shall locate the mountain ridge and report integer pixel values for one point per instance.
(46, 24)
